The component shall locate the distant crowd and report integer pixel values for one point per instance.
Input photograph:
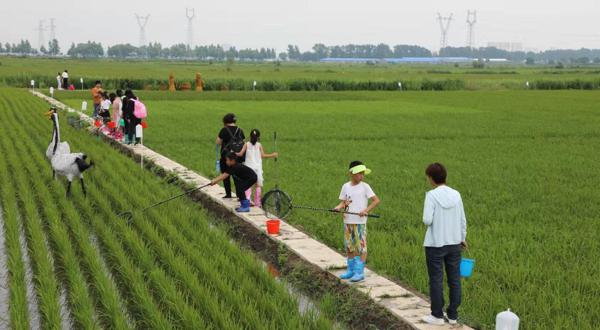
(116, 113)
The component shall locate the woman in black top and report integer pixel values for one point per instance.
(229, 135)
(130, 120)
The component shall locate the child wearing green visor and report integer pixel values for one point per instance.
(355, 197)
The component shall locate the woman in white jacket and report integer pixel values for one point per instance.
(445, 238)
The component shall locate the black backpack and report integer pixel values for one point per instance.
(235, 144)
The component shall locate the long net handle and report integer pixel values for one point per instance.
(175, 197)
(332, 210)
(276, 164)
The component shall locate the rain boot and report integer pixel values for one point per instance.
(359, 268)
(257, 197)
(350, 272)
(245, 206)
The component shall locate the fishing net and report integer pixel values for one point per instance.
(277, 203)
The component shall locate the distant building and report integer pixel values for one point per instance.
(401, 60)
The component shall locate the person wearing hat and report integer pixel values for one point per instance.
(355, 197)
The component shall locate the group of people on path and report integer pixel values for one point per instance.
(123, 119)
(62, 81)
(443, 214)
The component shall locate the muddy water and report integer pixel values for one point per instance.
(305, 304)
(4, 294)
(32, 301)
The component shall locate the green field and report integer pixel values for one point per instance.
(525, 163)
(167, 269)
(18, 72)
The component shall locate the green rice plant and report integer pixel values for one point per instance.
(43, 271)
(111, 312)
(19, 313)
(152, 274)
(81, 304)
(519, 159)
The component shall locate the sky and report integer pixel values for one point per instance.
(537, 24)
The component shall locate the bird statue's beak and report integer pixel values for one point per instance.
(49, 113)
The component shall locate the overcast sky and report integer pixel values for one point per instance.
(270, 23)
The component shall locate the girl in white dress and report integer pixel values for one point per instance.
(254, 154)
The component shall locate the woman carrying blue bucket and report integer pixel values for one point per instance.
(445, 238)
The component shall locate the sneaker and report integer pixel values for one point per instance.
(451, 321)
(432, 320)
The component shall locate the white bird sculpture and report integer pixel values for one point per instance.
(64, 162)
(54, 147)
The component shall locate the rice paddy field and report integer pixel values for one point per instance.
(18, 72)
(524, 161)
(72, 263)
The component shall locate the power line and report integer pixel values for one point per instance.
(52, 29)
(471, 20)
(444, 27)
(190, 13)
(40, 30)
(142, 21)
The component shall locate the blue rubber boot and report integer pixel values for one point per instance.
(359, 270)
(350, 272)
(244, 207)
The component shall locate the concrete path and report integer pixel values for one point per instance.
(399, 301)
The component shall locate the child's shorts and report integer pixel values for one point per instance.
(355, 238)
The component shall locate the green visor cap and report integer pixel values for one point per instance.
(360, 168)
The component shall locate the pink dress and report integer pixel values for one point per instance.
(117, 105)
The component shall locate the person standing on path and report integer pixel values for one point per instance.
(231, 139)
(254, 153)
(354, 197)
(97, 97)
(59, 81)
(130, 120)
(65, 79)
(446, 235)
(117, 108)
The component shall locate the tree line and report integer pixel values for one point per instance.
(91, 49)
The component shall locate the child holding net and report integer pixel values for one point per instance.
(355, 197)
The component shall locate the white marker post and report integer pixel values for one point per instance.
(254, 86)
(51, 92)
(84, 106)
(399, 85)
(81, 81)
(32, 84)
(139, 133)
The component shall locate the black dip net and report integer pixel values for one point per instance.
(277, 203)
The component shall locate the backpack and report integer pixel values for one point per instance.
(235, 144)
(139, 109)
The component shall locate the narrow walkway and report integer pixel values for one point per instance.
(399, 301)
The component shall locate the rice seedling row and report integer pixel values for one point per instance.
(167, 269)
(111, 314)
(520, 160)
(18, 311)
(81, 302)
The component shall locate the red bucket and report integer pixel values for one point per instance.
(273, 226)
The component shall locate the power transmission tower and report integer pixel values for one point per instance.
(142, 21)
(52, 29)
(471, 20)
(41, 30)
(444, 26)
(190, 13)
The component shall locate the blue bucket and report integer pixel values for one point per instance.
(466, 267)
